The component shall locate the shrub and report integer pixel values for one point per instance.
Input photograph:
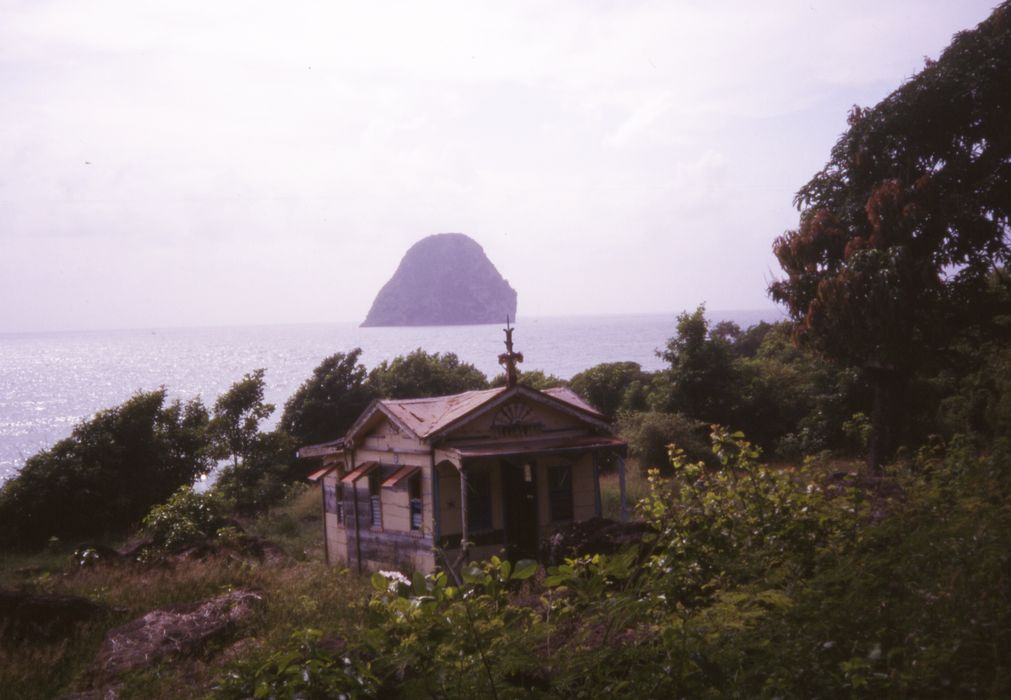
(262, 478)
(185, 519)
(650, 433)
(613, 386)
(422, 374)
(108, 473)
(329, 401)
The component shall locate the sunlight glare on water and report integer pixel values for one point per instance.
(49, 382)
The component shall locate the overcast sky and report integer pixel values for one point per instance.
(200, 163)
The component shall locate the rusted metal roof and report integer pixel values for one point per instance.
(399, 475)
(426, 416)
(320, 473)
(532, 447)
(567, 395)
(360, 471)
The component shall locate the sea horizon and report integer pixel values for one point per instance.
(764, 311)
(50, 381)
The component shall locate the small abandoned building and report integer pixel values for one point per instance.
(493, 471)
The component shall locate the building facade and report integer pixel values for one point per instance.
(420, 483)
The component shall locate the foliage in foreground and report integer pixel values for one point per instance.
(755, 582)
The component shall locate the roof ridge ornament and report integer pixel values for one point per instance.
(509, 359)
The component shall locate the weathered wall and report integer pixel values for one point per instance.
(336, 542)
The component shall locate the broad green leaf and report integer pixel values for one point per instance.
(525, 568)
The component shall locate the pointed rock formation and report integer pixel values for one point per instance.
(443, 280)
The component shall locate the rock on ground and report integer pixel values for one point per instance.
(172, 632)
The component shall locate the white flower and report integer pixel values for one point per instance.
(396, 576)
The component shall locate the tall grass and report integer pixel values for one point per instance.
(636, 488)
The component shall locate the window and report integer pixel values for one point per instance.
(560, 491)
(375, 500)
(478, 499)
(414, 499)
(333, 500)
(330, 498)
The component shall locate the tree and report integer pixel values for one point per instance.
(422, 374)
(327, 403)
(262, 462)
(262, 478)
(235, 428)
(533, 378)
(789, 399)
(108, 473)
(651, 433)
(613, 386)
(701, 378)
(902, 230)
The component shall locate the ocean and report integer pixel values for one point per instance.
(49, 382)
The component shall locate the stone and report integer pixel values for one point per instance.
(178, 631)
(444, 280)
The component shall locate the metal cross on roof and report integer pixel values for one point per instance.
(508, 359)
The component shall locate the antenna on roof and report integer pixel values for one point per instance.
(508, 359)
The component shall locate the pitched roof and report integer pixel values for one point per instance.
(425, 417)
(567, 395)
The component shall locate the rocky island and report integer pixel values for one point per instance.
(443, 280)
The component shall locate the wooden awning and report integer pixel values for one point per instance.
(400, 475)
(360, 471)
(320, 473)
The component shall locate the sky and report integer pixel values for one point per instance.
(186, 163)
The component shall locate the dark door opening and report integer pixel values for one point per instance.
(519, 495)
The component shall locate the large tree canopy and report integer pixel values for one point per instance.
(326, 405)
(425, 374)
(901, 233)
(702, 376)
(108, 473)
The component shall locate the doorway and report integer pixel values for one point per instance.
(519, 496)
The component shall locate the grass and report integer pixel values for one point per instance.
(610, 490)
(300, 593)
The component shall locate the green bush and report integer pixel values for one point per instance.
(752, 582)
(110, 471)
(533, 378)
(420, 374)
(650, 433)
(262, 479)
(185, 519)
(613, 386)
(329, 401)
